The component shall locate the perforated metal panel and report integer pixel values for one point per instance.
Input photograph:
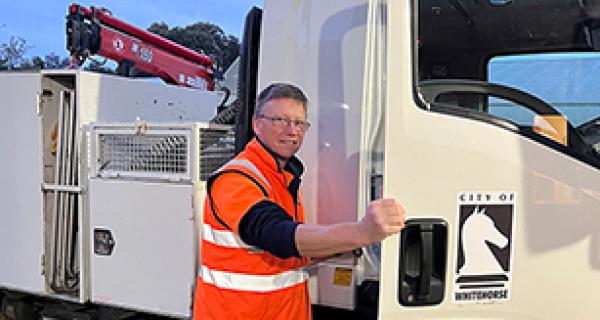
(145, 151)
(160, 153)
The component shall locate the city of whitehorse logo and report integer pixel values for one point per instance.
(484, 245)
(479, 230)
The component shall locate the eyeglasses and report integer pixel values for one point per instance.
(282, 123)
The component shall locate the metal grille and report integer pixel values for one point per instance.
(150, 154)
(217, 146)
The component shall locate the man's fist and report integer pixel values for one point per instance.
(384, 217)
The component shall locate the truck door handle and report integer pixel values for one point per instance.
(423, 255)
(426, 233)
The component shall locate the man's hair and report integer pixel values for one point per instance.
(279, 91)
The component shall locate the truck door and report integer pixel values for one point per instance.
(492, 139)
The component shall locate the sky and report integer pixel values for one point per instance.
(42, 22)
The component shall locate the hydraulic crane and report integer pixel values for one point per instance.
(95, 31)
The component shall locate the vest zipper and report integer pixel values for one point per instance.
(286, 184)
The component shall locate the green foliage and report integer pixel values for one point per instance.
(203, 37)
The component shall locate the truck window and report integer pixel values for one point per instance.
(495, 62)
(567, 81)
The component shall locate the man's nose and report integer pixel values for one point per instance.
(292, 128)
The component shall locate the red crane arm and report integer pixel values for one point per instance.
(94, 31)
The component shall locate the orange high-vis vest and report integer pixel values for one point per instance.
(235, 280)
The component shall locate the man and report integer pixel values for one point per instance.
(254, 240)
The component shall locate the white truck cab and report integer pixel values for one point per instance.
(482, 118)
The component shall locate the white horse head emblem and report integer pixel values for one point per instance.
(477, 230)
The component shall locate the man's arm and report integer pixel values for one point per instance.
(384, 217)
(268, 227)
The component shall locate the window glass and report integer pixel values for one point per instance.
(568, 81)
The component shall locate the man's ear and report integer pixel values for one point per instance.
(255, 124)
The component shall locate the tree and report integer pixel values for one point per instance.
(203, 37)
(50, 61)
(26, 64)
(12, 53)
(99, 67)
(37, 62)
(54, 61)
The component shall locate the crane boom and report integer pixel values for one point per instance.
(95, 32)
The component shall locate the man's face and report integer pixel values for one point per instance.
(283, 138)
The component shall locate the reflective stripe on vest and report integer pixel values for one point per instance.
(225, 238)
(253, 283)
(248, 165)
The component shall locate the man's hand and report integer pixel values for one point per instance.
(384, 217)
